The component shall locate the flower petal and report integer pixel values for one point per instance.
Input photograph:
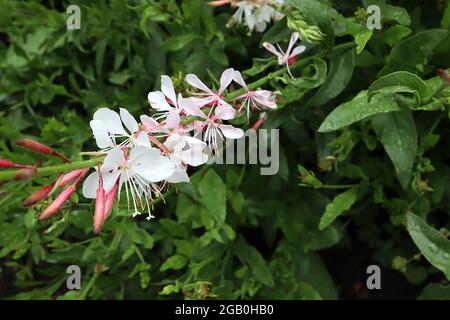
(167, 88)
(158, 101)
(113, 160)
(294, 38)
(297, 51)
(224, 111)
(231, 132)
(150, 165)
(101, 135)
(111, 120)
(173, 119)
(237, 77)
(194, 157)
(142, 140)
(150, 124)
(225, 79)
(178, 176)
(129, 121)
(194, 81)
(90, 186)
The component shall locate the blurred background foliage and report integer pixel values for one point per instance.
(232, 233)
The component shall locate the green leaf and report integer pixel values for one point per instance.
(422, 44)
(434, 247)
(397, 132)
(175, 262)
(445, 22)
(341, 203)
(394, 34)
(179, 42)
(251, 257)
(400, 79)
(339, 75)
(214, 195)
(357, 109)
(435, 291)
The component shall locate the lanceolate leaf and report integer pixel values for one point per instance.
(409, 53)
(400, 79)
(357, 109)
(340, 73)
(397, 132)
(339, 205)
(214, 195)
(434, 247)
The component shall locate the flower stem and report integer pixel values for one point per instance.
(51, 170)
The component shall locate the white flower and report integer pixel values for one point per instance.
(289, 57)
(254, 98)
(185, 150)
(107, 127)
(256, 14)
(210, 98)
(138, 171)
(167, 102)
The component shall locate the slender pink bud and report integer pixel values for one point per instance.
(57, 204)
(59, 201)
(292, 60)
(109, 201)
(99, 214)
(25, 173)
(39, 195)
(66, 178)
(259, 122)
(9, 164)
(40, 148)
(218, 3)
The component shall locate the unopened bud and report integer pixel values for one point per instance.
(57, 204)
(109, 201)
(99, 214)
(68, 177)
(37, 196)
(25, 173)
(40, 148)
(443, 74)
(9, 164)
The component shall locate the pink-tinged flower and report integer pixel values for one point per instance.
(210, 98)
(107, 128)
(290, 56)
(254, 98)
(214, 131)
(138, 171)
(184, 151)
(167, 102)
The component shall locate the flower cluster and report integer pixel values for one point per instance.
(141, 159)
(255, 14)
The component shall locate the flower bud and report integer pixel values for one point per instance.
(66, 178)
(109, 201)
(99, 214)
(9, 164)
(37, 196)
(443, 74)
(25, 173)
(40, 148)
(57, 204)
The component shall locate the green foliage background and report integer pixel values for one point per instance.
(360, 182)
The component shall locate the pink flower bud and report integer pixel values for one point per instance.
(37, 196)
(292, 60)
(109, 201)
(66, 178)
(25, 173)
(40, 148)
(99, 214)
(57, 204)
(9, 164)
